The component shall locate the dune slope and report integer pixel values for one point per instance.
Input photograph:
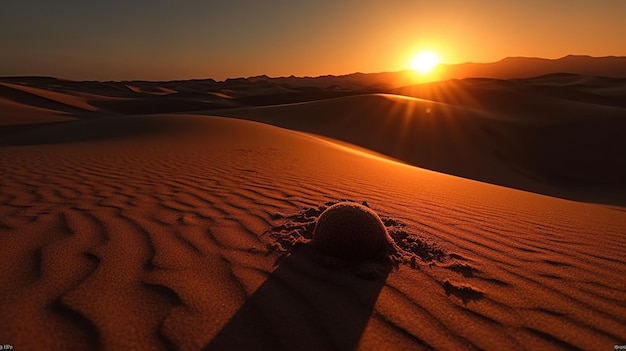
(540, 144)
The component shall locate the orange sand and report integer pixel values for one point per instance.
(149, 232)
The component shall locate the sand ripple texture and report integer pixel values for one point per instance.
(155, 240)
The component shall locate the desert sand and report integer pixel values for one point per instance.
(122, 228)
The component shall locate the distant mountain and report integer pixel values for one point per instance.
(524, 67)
(508, 68)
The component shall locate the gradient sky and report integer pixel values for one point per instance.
(163, 39)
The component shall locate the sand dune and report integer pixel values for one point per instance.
(527, 147)
(580, 95)
(44, 98)
(430, 134)
(13, 113)
(176, 231)
(554, 134)
(140, 88)
(151, 232)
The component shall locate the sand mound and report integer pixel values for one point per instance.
(352, 231)
(401, 245)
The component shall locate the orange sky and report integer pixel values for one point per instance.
(163, 40)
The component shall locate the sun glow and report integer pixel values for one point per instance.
(425, 62)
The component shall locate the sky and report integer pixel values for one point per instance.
(168, 39)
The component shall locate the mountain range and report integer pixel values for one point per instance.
(507, 68)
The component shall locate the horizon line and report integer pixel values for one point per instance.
(292, 76)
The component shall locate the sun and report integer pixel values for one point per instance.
(424, 62)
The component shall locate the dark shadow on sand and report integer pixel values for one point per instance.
(303, 305)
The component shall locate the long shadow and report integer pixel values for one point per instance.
(303, 306)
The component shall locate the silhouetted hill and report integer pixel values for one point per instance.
(523, 67)
(508, 68)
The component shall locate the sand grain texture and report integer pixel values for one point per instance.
(150, 232)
